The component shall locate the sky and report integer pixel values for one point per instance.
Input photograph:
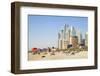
(43, 29)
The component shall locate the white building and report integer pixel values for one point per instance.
(86, 39)
(61, 39)
(79, 34)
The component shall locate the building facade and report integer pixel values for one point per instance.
(86, 39)
(79, 34)
(74, 41)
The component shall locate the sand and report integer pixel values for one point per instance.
(58, 55)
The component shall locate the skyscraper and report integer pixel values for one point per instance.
(74, 41)
(86, 39)
(79, 34)
(62, 37)
(66, 36)
(73, 31)
(61, 40)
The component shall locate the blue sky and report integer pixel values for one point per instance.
(43, 30)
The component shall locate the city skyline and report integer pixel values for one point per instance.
(43, 30)
(71, 37)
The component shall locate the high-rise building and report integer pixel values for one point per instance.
(74, 41)
(72, 31)
(86, 39)
(83, 42)
(79, 34)
(66, 36)
(61, 41)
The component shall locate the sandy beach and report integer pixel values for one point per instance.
(57, 55)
